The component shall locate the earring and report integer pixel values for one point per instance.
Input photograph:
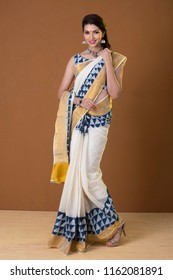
(84, 42)
(103, 41)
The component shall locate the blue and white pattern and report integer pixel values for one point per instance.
(79, 59)
(93, 121)
(94, 222)
(91, 77)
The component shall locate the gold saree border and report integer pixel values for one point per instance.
(118, 59)
(102, 108)
(105, 235)
(92, 94)
(59, 172)
(60, 154)
(60, 242)
(79, 67)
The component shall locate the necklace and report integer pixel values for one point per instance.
(95, 54)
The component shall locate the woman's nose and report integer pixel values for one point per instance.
(91, 35)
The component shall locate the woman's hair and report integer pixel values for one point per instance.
(98, 21)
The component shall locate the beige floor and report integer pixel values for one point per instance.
(24, 234)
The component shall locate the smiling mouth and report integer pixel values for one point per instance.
(92, 42)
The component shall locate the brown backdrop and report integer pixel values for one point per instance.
(37, 39)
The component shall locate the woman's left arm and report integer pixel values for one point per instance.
(114, 77)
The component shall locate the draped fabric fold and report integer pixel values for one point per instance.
(60, 161)
(86, 212)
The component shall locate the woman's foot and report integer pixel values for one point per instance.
(115, 239)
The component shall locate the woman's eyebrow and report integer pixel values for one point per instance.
(91, 30)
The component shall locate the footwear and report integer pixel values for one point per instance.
(81, 247)
(115, 239)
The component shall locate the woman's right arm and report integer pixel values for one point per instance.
(67, 78)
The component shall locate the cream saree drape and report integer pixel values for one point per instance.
(86, 212)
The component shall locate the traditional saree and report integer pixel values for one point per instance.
(86, 212)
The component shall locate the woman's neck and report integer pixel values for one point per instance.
(95, 49)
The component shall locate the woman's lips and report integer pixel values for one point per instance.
(92, 42)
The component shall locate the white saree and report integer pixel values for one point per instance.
(86, 212)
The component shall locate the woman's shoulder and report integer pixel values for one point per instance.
(75, 58)
(118, 58)
(80, 58)
(118, 55)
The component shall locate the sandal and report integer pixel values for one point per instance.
(115, 239)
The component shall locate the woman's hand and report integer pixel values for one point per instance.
(106, 54)
(88, 104)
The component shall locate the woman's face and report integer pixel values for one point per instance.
(92, 35)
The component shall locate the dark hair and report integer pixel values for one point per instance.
(98, 21)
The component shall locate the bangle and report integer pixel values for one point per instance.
(79, 103)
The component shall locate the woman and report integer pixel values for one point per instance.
(86, 212)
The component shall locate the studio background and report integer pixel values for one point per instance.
(37, 39)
